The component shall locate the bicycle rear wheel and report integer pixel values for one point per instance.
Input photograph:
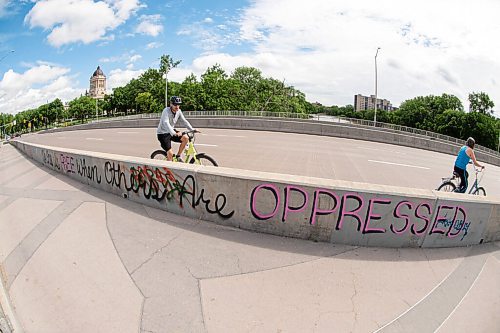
(480, 191)
(203, 159)
(159, 155)
(447, 187)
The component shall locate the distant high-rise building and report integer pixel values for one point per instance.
(97, 84)
(368, 103)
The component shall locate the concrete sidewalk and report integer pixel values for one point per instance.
(75, 259)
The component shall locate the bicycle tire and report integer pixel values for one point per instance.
(204, 159)
(480, 191)
(447, 187)
(159, 155)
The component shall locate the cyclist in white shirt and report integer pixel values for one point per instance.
(166, 132)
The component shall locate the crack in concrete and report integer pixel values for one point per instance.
(280, 267)
(352, 302)
(154, 254)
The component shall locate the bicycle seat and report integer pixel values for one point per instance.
(455, 174)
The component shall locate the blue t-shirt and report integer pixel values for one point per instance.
(462, 158)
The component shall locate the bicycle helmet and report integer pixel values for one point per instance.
(470, 142)
(175, 100)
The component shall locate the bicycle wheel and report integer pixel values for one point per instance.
(480, 191)
(447, 187)
(159, 155)
(204, 159)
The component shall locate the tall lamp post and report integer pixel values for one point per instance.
(375, 116)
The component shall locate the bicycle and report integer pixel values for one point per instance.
(191, 156)
(450, 184)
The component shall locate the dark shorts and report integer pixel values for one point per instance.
(166, 140)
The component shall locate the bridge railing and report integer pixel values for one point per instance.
(289, 115)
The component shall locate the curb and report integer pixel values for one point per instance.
(8, 321)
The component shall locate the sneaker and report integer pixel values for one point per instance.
(178, 158)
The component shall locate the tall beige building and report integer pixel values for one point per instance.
(368, 103)
(97, 84)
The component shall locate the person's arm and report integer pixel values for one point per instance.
(471, 154)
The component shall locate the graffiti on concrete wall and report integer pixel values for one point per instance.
(362, 213)
(153, 183)
(417, 218)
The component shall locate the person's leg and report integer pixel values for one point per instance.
(463, 180)
(166, 144)
(466, 180)
(184, 141)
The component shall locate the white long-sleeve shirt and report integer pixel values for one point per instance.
(169, 119)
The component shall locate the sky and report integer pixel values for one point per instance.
(324, 48)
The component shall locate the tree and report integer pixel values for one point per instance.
(144, 102)
(481, 102)
(166, 64)
(215, 92)
(81, 107)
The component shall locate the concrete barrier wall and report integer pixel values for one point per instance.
(341, 130)
(301, 207)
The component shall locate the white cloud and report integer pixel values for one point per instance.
(153, 45)
(150, 25)
(209, 37)
(4, 4)
(85, 21)
(120, 77)
(327, 49)
(126, 58)
(41, 83)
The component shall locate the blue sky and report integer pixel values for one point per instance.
(325, 48)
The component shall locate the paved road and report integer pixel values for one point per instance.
(76, 259)
(295, 154)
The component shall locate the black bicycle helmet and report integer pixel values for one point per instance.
(175, 100)
(470, 142)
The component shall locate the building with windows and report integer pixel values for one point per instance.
(368, 103)
(97, 84)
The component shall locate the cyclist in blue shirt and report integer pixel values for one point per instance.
(465, 154)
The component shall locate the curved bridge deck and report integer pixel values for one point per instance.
(77, 259)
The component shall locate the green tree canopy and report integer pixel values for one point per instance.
(481, 102)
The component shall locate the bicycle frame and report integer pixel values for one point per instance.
(476, 183)
(190, 151)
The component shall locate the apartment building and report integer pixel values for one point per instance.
(368, 103)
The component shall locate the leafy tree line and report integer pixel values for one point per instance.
(246, 89)
(443, 114)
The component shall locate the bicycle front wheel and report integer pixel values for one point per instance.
(480, 191)
(447, 187)
(203, 159)
(159, 155)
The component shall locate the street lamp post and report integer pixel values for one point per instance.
(166, 89)
(96, 110)
(375, 116)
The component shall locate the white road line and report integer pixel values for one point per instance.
(386, 150)
(206, 145)
(127, 132)
(405, 165)
(225, 135)
(95, 139)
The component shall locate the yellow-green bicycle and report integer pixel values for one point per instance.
(190, 154)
